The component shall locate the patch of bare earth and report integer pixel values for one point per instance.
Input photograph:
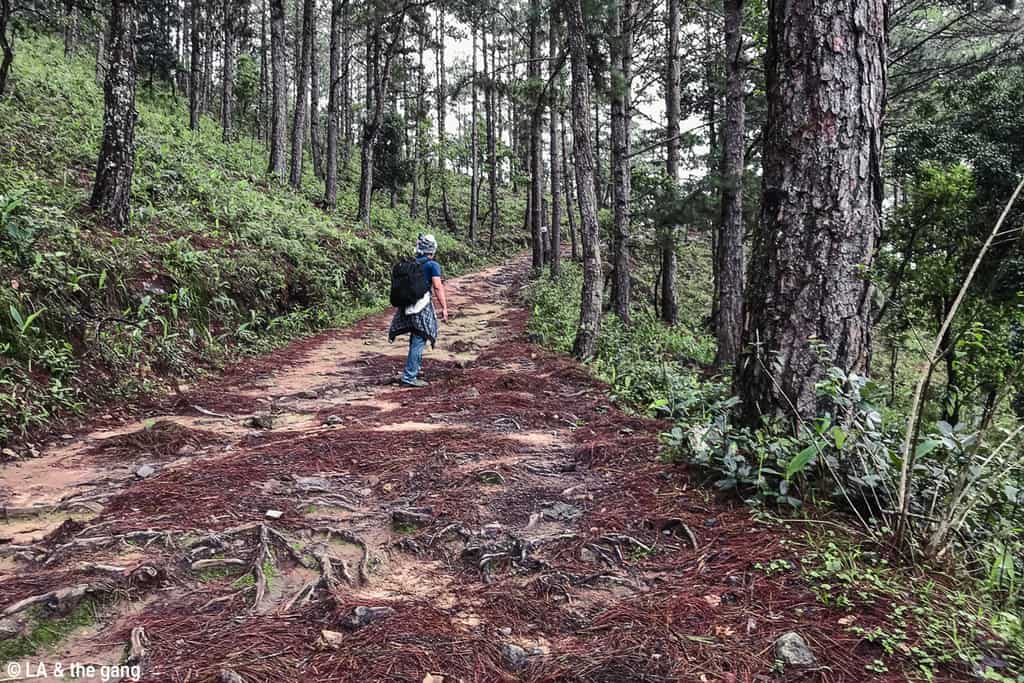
(302, 518)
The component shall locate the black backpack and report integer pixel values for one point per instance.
(408, 283)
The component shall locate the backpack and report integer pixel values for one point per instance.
(408, 282)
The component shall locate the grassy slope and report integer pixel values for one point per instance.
(217, 260)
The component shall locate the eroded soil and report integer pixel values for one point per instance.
(515, 524)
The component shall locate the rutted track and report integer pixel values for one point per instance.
(508, 523)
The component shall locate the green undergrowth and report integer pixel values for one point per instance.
(218, 260)
(967, 621)
(931, 624)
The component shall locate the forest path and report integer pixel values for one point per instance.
(507, 523)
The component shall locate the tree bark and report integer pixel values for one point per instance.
(195, 65)
(620, 98)
(208, 50)
(421, 86)
(227, 95)
(492, 147)
(70, 28)
(346, 83)
(474, 176)
(302, 94)
(279, 93)
(729, 280)
(555, 236)
(808, 302)
(442, 114)
(261, 112)
(669, 308)
(111, 193)
(536, 178)
(316, 142)
(569, 212)
(338, 8)
(590, 300)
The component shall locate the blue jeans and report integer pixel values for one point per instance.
(412, 364)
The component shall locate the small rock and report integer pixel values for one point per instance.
(273, 514)
(516, 656)
(505, 630)
(587, 555)
(365, 492)
(433, 678)
(792, 650)
(229, 676)
(186, 450)
(260, 421)
(329, 640)
(472, 393)
(561, 512)
(710, 522)
(333, 420)
(9, 453)
(362, 616)
(66, 437)
(145, 471)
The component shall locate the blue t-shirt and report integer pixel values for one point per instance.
(431, 267)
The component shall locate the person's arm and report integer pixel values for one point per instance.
(439, 293)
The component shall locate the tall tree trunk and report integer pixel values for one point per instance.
(729, 281)
(100, 59)
(598, 175)
(421, 86)
(808, 301)
(442, 114)
(316, 144)
(346, 83)
(474, 176)
(492, 147)
(369, 131)
(70, 28)
(195, 66)
(208, 49)
(590, 300)
(338, 8)
(555, 141)
(261, 112)
(302, 94)
(620, 50)
(111, 194)
(279, 90)
(227, 94)
(536, 177)
(669, 308)
(569, 212)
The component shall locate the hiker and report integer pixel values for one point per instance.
(417, 281)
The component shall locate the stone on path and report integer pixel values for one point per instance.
(792, 650)
(145, 471)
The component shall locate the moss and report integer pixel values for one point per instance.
(43, 632)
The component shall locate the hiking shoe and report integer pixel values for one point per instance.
(416, 383)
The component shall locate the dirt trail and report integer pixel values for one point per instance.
(509, 522)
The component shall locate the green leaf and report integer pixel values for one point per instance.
(839, 436)
(926, 447)
(16, 316)
(799, 462)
